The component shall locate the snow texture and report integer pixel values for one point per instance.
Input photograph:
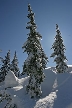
(56, 90)
(10, 79)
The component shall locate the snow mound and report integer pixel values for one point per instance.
(47, 102)
(11, 80)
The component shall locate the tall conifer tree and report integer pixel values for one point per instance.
(5, 65)
(59, 48)
(36, 60)
(14, 65)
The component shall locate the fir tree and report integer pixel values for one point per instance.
(59, 48)
(36, 60)
(14, 65)
(5, 66)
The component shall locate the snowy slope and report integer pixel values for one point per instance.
(56, 90)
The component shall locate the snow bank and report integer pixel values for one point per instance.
(11, 80)
(47, 102)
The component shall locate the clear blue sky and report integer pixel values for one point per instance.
(13, 19)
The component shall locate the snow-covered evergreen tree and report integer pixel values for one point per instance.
(14, 65)
(5, 66)
(36, 60)
(59, 48)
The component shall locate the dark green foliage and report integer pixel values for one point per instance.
(59, 48)
(5, 67)
(36, 60)
(14, 65)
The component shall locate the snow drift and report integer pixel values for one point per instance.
(11, 80)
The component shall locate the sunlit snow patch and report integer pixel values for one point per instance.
(55, 84)
(46, 102)
(17, 88)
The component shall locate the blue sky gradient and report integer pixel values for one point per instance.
(13, 19)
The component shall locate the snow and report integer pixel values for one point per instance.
(10, 80)
(46, 102)
(56, 90)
